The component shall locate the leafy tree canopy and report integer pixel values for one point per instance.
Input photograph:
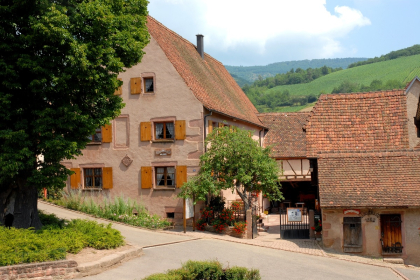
(59, 62)
(234, 161)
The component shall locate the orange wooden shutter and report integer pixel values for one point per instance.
(107, 178)
(75, 178)
(221, 124)
(146, 177)
(135, 85)
(119, 90)
(181, 175)
(145, 131)
(180, 130)
(210, 126)
(107, 133)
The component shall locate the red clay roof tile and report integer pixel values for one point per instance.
(285, 135)
(369, 179)
(358, 121)
(207, 78)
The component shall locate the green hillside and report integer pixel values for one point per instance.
(251, 73)
(403, 69)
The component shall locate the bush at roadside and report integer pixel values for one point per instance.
(119, 209)
(207, 270)
(55, 239)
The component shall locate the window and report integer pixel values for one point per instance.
(93, 177)
(148, 85)
(164, 130)
(165, 176)
(97, 137)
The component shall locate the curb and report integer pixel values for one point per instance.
(211, 236)
(106, 262)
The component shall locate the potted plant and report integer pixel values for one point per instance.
(317, 229)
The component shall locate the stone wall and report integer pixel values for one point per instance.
(47, 270)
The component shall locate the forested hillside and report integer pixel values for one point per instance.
(413, 50)
(252, 73)
(389, 74)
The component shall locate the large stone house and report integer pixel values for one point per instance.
(174, 98)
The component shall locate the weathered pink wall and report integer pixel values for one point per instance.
(332, 233)
(171, 99)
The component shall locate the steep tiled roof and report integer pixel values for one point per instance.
(207, 78)
(370, 179)
(285, 135)
(358, 121)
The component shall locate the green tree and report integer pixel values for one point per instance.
(234, 161)
(59, 62)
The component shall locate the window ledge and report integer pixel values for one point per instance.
(94, 143)
(149, 93)
(163, 141)
(164, 188)
(92, 189)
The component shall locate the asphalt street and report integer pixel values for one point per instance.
(273, 264)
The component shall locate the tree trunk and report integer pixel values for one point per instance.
(19, 205)
(243, 195)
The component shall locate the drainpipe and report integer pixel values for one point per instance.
(204, 131)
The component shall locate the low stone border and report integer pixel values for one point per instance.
(65, 269)
(47, 270)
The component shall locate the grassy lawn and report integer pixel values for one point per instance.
(56, 238)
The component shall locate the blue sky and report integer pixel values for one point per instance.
(245, 32)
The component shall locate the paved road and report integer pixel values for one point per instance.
(273, 264)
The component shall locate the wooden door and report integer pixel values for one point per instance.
(391, 231)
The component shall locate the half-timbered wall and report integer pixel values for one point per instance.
(295, 169)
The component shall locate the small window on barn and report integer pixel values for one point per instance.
(352, 231)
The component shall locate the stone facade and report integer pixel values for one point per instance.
(132, 155)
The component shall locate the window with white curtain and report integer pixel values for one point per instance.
(165, 176)
(164, 130)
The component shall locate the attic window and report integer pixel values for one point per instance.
(148, 85)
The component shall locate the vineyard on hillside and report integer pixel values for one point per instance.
(402, 69)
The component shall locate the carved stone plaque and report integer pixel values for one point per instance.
(126, 161)
(163, 152)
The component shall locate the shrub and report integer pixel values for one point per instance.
(219, 225)
(54, 240)
(119, 209)
(201, 224)
(207, 270)
(239, 227)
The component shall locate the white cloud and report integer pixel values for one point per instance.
(232, 22)
(229, 25)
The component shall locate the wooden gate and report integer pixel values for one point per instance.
(294, 230)
(391, 239)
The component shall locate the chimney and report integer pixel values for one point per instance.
(200, 45)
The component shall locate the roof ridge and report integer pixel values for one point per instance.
(279, 113)
(357, 95)
(367, 153)
(182, 38)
